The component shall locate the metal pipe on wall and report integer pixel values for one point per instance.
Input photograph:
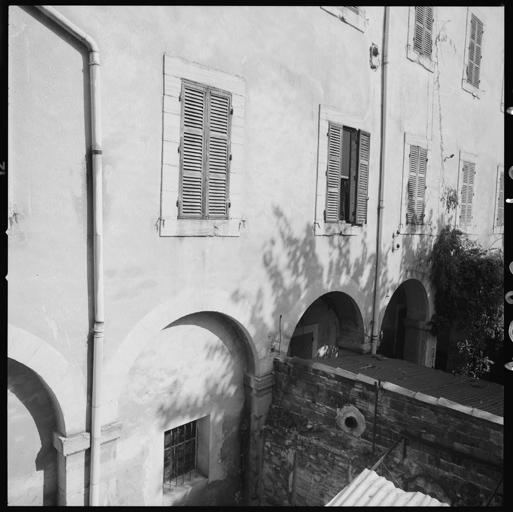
(381, 203)
(96, 153)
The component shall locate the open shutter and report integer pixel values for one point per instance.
(362, 177)
(474, 51)
(218, 154)
(333, 173)
(192, 152)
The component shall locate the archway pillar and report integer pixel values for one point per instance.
(419, 344)
(73, 460)
(258, 399)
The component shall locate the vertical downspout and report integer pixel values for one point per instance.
(96, 152)
(381, 196)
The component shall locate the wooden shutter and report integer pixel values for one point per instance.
(416, 185)
(192, 151)
(218, 155)
(333, 173)
(467, 193)
(362, 177)
(423, 36)
(474, 51)
(499, 221)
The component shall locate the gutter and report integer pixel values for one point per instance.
(381, 196)
(96, 153)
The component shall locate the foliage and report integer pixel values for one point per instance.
(468, 283)
(449, 199)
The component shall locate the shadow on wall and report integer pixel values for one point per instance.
(192, 369)
(32, 459)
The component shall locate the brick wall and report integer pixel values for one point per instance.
(451, 452)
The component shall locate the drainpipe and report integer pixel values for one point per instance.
(96, 151)
(381, 197)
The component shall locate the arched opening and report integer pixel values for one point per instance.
(404, 329)
(333, 319)
(32, 459)
(186, 385)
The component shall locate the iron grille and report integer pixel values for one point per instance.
(180, 454)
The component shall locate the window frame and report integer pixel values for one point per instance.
(475, 91)
(425, 61)
(329, 115)
(348, 15)
(426, 227)
(176, 70)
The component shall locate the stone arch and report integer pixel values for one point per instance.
(236, 313)
(404, 324)
(192, 370)
(55, 373)
(334, 318)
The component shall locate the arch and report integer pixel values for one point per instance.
(403, 324)
(56, 374)
(236, 311)
(32, 459)
(335, 319)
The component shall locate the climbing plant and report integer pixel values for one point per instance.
(468, 283)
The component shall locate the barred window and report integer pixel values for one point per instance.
(180, 454)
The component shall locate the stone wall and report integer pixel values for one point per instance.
(312, 451)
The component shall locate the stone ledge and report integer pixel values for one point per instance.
(81, 442)
(259, 384)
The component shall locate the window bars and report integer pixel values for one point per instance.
(180, 454)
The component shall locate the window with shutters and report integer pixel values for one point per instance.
(354, 16)
(342, 175)
(416, 185)
(203, 136)
(420, 36)
(498, 225)
(466, 190)
(473, 55)
(204, 152)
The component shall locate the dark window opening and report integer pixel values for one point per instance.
(180, 454)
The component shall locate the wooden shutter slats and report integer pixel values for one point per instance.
(423, 35)
(416, 185)
(467, 193)
(363, 177)
(333, 173)
(204, 155)
(500, 201)
(474, 51)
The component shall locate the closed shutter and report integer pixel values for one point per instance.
(333, 173)
(416, 185)
(192, 151)
(363, 177)
(467, 193)
(474, 51)
(423, 38)
(499, 221)
(218, 155)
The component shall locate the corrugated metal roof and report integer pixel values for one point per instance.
(481, 394)
(369, 489)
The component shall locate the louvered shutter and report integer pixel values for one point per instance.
(218, 157)
(467, 193)
(333, 173)
(192, 151)
(416, 185)
(474, 51)
(362, 177)
(499, 221)
(422, 38)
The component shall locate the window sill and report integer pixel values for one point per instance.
(173, 494)
(193, 227)
(356, 20)
(475, 91)
(425, 62)
(336, 229)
